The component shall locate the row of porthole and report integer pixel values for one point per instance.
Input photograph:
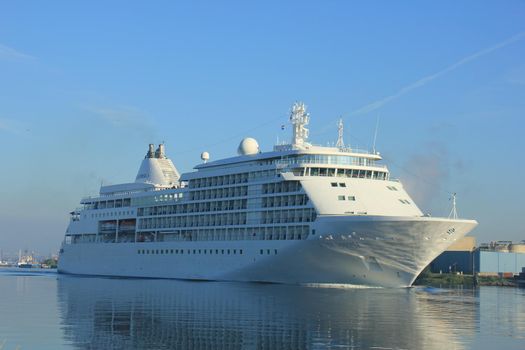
(202, 251)
(189, 251)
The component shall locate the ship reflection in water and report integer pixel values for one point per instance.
(100, 313)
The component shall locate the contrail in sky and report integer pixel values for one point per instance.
(423, 81)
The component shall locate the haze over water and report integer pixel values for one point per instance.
(49, 311)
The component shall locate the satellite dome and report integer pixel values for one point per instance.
(248, 146)
(205, 156)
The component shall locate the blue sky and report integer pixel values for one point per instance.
(85, 86)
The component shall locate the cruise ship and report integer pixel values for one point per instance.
(299, 214)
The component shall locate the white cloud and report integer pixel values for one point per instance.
(127, 117)
(8, 53)
(426, 174)
(12, 126)
(119, 116)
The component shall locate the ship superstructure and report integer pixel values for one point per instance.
(297, 214)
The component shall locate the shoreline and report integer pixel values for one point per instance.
(471, 281)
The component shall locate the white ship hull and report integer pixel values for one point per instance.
(374, 251)
(300, 214)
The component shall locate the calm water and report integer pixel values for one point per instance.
(50, 311)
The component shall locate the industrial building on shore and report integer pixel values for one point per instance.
(502, 258)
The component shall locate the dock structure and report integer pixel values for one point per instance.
(499, 258)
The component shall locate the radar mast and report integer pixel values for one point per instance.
(299, 119)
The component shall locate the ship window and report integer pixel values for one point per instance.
(156, 251)
(334, 184)
(194, 251)
(240, 251)
(268, 251)
(228, 252)
(235, 251)
(172, 251)
(138, 251)
(199, 251)
(222, 251)
(275, 251)
(342, 184)
(351, 198)
(341, 198)
(261, 252)
(216, 251)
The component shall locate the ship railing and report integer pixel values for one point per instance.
(284, 146)
(356, 150)
(124, 193)
(284, 163)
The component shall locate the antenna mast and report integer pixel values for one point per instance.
(340, 128)
(453, 213)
